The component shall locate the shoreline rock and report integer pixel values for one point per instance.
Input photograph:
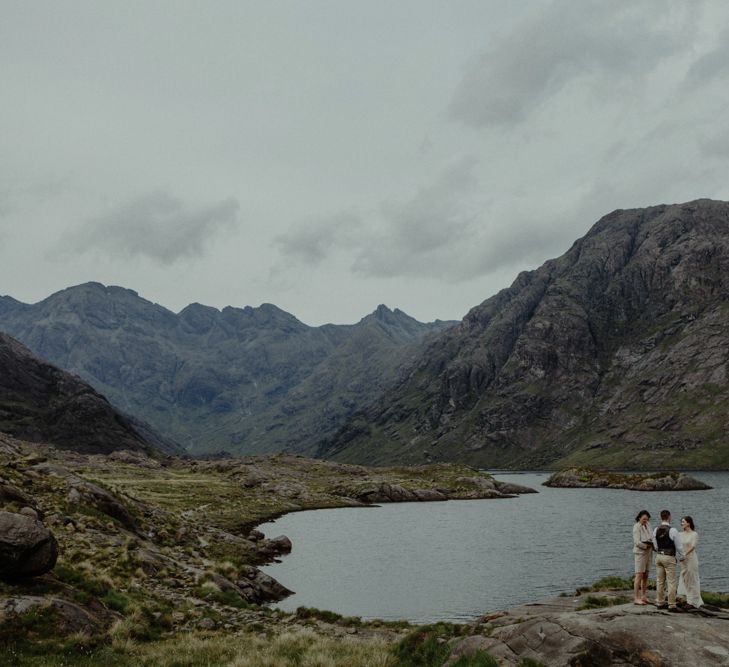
(558, 631)
(586, 478)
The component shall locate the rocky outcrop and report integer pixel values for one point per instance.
(385, 492)
(585, 478)
(9, 493)
(83, 491)
(258, 587)
(614, 354)
(68, 617)
(42, 403)
(556, 632)
(27, 547)
(192, 375)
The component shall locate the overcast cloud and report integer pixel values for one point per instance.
(606, 44)
(328, 157)
(155, 225)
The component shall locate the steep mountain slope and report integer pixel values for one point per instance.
(42, 403)
(245, 380)
(614, 354)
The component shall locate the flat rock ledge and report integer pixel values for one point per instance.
(556, 633)
(586, 478)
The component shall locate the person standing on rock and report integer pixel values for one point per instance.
(689, 584)
(669, 548)
(642, 549)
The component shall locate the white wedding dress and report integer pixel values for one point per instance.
(689, 584)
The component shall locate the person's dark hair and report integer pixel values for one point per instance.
(690, 522)
(641, 513)
(665, 515)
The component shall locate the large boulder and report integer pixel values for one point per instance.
(27, 547)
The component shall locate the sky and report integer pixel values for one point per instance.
(329, 156)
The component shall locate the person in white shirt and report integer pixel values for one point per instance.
(642, 549)
(669, 548)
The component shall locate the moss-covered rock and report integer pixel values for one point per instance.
(586, 478)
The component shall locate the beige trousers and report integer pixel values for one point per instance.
(666, 575)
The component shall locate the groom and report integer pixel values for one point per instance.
(667, 543)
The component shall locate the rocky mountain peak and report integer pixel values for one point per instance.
(614, 347)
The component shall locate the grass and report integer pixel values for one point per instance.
(610, 583)
(300, 648)
(600, 601)
(424, 646)
(717, 599)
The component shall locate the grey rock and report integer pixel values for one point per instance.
(72, 618)
(427, 495)
(206, 624)
(514, 489)
(29, 512)
(27, 547)
(275, 546)
(103, 501)
(554, 633)
(587, 478)
(11, 493)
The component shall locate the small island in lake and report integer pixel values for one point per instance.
(586, 478)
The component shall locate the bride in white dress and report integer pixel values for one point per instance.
(689, 584)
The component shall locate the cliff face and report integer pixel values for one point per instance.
(42, 403)
(614, 354)
(242, 380)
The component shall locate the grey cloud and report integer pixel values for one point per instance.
(715, 147)
(311, 240)
(155, 225)
(426, 229)
(445, 231)
(711, 66)
(607, 43)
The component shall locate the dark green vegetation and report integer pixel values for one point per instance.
(251, 380)
(614, 355)
(429, 646)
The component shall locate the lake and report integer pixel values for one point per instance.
(457, 560)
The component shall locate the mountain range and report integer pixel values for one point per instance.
(615, 354)
(250, 380)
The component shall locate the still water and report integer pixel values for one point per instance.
(460, 559)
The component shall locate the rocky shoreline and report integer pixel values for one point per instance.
(156, 556)
(168, 546)
(599, 629)
(586, 478)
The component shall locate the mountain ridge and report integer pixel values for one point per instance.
(534, 375)
(42, 403)
(242, 380)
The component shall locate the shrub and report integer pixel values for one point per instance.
(426, 646)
